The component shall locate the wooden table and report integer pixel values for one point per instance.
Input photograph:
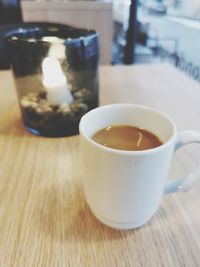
(44, 220)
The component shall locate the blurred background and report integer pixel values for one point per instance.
(131, 32)
(164, 31)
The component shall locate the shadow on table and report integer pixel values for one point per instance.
(64, 215)
(13, 128)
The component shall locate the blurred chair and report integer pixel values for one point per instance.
(10, 17)
(131, 38)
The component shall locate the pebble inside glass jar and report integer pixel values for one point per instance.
(56, 75)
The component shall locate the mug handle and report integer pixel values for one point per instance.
(181, 184)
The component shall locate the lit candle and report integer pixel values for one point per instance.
(55, 82)
(56, 48)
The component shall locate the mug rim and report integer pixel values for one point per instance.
(128, 152)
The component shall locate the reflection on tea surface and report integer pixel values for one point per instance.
(125, 137)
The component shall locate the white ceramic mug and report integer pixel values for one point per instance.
(124, 188)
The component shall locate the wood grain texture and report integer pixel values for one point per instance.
(44, 220)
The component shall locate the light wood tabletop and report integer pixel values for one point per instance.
(44, 219)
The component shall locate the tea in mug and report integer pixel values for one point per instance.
(125, 137)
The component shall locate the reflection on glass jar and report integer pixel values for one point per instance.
(56, 75)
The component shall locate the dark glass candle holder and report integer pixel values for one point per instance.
(55, 69)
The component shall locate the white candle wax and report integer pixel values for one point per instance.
(55, 82)
(57, 47)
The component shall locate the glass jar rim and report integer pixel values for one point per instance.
(36, 33)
